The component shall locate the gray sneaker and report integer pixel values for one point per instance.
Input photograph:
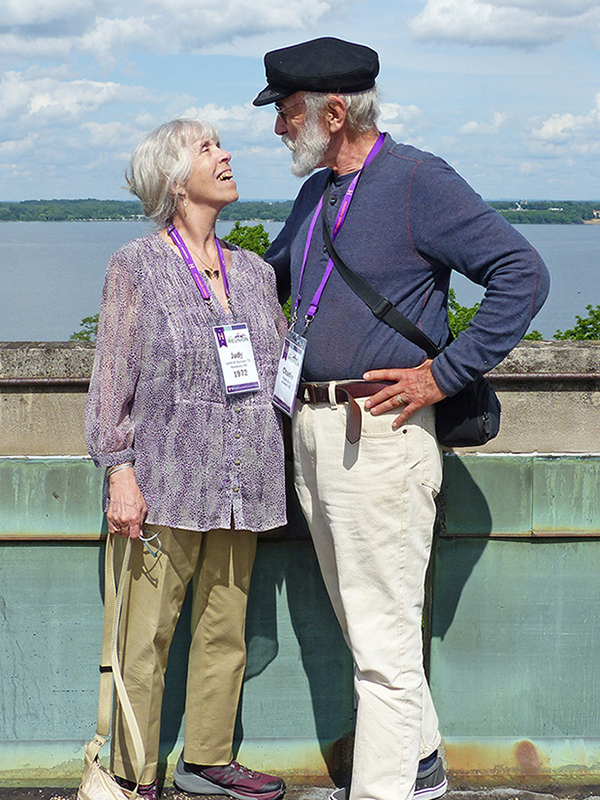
(232, 779)
(431, 782)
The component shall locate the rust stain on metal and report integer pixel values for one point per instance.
(527, 758)
(522, 763)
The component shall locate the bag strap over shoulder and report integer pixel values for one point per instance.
(381, 307)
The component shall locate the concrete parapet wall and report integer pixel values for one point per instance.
(550, 393)
(43, 387)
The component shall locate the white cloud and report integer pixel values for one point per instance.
(72, 99)
(498, 118)
(515, 23)
(529, 168)
(47, 98)
(235, 124)
(112, 134)
(108, 35)
(36, 47)
(192, 25)
(10, 149)
(54, 28)
(38, 12)
(402, 122)
(579, 133)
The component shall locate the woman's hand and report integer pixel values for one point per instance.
(127, 508)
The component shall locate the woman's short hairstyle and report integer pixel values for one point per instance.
(362, 108)
(162, 161)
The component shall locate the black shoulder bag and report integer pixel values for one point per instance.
(469, 418)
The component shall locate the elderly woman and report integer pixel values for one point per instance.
(179, 413)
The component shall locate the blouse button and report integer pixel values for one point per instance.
(238, 435)
(237, 462)
(324, 248)
(332, 201)
(237, 409)
(236, 489)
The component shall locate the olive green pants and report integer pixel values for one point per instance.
(220, 564)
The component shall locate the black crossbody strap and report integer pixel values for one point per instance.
(381, 307)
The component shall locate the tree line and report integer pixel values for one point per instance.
(90, 209)
(70, 210)
(546, 212)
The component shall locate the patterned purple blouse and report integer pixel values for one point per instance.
(155, 397)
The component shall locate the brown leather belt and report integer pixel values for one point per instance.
(313, 393)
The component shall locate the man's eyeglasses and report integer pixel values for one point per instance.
(282, 113)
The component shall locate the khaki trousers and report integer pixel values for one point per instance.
(220, 564)
(370, 508)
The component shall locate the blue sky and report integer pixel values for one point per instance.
(507, 91)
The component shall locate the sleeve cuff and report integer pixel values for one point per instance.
(112, 459)
(448, 381)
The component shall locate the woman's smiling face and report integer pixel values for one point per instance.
(211, 182)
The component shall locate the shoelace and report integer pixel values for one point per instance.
(249, 773)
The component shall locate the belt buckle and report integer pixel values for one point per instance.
(310, 395)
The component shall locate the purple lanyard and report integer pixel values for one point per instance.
(339, 221)
(186, 255)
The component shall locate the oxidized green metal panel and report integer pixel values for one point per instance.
(515, 623)
(506, 496)
(485, 495)
(50, 498)
(516, 638)
(297, 698)
(515, 630)
(566, 495)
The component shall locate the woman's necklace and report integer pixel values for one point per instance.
(209, 269)
(198, 279)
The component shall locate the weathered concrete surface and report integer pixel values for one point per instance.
(550, 393)
(43, 387)
(317, 793)
(45, 360)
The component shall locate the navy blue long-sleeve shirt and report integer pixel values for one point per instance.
(412, 220)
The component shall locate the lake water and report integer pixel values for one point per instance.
(51, 273)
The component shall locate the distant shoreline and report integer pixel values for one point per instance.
(521, 212)
(261, 221)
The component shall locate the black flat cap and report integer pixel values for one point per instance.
(321, 65)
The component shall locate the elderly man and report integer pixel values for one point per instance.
(369, 501)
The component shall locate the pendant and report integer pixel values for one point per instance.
(211, 273)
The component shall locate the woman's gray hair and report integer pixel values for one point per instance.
(362, 108)
(162, 161)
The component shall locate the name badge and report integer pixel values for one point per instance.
(236, 358)
(289, 371)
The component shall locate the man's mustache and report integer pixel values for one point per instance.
(288, 142)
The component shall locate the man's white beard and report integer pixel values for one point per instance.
(308, 151)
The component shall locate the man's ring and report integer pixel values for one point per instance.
(399, 399)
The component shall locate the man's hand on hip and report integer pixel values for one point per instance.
(412, 389)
